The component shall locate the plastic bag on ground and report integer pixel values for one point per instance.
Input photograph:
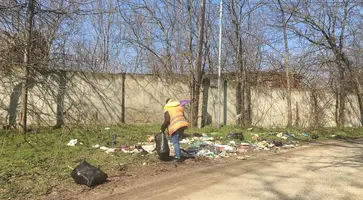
(227, 148)
(162, 147)
(72, 142)
(86, 174)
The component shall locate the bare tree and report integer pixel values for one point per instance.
(330, 34)
(287, 68)
(198, 71)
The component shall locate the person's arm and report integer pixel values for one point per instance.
(166, 121)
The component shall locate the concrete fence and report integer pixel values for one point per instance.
(94, 98)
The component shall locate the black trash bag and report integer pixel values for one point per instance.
(277, 143)
(238, 136)
(314, 137)
(86, 174)
(162, 146)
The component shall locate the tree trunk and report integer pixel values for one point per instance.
(27, 59)
(248, 104)
(198, 73)
(190, 55)
(62, 84)
(287, 67)
(342, 97)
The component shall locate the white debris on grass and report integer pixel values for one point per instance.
(72, 142)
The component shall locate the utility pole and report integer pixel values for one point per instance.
(219, 64)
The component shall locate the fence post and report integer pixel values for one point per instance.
(123, 98)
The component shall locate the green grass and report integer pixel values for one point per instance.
(33, 167)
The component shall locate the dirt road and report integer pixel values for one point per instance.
(330, 170)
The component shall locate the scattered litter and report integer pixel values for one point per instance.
(306, 134)
(288, 146)
(130, 151)
(144, 163)
(212, 148)
(110, 150)
(150, 138)
(208, 145)
(226, 148)
(148, 148)
(278, 144)
(107, 128)
(185, 141)
(314, 137)
(262, 144)
(81, 143)
(72, 142)
(113, 142)
(86, 174)
(103, 148)
(250, 129)
(207, 138)
(206, 153)
(242, 150)
(288, 135)
(224, 154)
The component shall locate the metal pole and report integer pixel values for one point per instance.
(219, 64)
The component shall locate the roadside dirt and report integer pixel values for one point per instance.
(127, 181)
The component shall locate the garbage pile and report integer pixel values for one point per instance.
(203, 145)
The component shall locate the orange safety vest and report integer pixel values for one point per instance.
(177, 119)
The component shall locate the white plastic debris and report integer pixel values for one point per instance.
(132, 151)
(148, 148)
(96, 146)
(224, 154)
(204, 153)
(110, 150)
(103, 148)
(227, 148)
(72, 142)
(185, 141)
(107, 128)
(107, 150)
